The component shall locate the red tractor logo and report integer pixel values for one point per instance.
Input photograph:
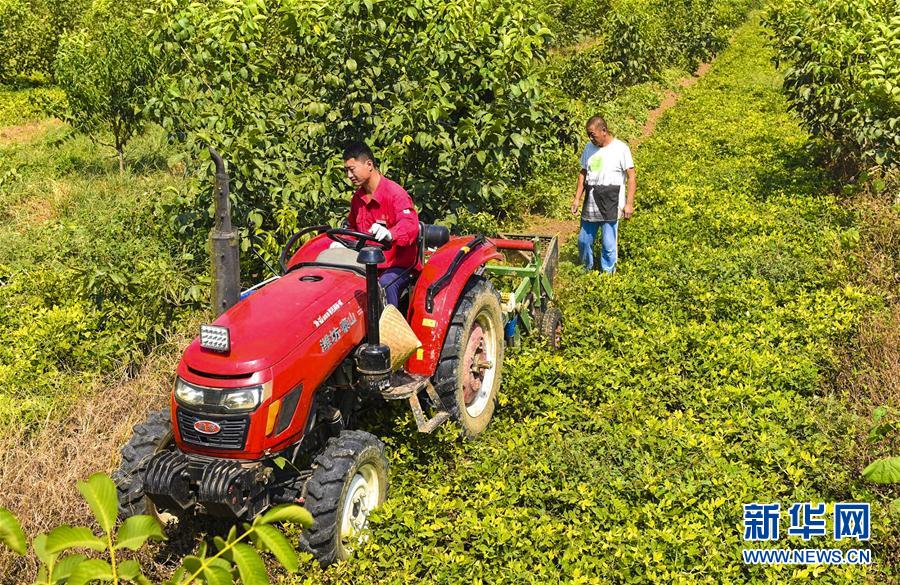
(207, 427)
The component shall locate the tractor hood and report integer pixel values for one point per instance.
(273, 320)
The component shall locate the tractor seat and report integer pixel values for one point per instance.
(430, 236)
(433, 236)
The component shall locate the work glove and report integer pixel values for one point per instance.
(380, 233)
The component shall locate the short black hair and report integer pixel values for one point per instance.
(597, 121)
(358, 150)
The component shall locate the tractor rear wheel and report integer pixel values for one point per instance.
(468, 373)
(349, 480)
(149, 438)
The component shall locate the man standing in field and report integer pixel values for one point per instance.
(607, 172)
(384, 209)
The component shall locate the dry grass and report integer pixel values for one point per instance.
(39, 209)
(869, 375)
(872, 367)
(38, 473)
(871, 372)
(879, 249)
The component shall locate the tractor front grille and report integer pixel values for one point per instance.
(232, 435)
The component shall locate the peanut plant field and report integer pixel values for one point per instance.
(744, 351)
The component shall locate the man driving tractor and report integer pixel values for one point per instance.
(384, 209)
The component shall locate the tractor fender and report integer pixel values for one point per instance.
(430, 323)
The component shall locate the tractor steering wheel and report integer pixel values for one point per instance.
(362, 240)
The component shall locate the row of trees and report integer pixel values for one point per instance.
(842, 75)
(453, 94)
(30, 31)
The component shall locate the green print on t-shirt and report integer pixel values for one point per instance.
(596, 163)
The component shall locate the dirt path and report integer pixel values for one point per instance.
(568, 228)
(27, 132)
(670, 98)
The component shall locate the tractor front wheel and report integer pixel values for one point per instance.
(349, 480)
(149, 438)
(468, 373)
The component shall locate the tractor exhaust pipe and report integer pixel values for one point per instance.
(373, 359)
(223, 244)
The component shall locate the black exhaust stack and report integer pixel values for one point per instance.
(373, 360)
(223, 244)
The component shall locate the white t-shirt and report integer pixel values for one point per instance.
(606, 166)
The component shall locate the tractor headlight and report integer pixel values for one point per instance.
(219, 399)
(187, 394)
(241, 398)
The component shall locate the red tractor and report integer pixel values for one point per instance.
(266, 400)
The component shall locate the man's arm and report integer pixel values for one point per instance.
(405, 229)
(631, 187)
(579, 191)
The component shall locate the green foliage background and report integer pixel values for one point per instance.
(461, 100)
(446, 92)
(105, 67)
(30, 32)
(91, 278)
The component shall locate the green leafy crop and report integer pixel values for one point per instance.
(689, 383)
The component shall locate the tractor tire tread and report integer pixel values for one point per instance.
(323, 490)
(144, 443)
(445, 379)
(548, 324)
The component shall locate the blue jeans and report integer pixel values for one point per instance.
(609, 238)
(393, 281)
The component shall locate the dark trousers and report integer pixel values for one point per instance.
(393, 281)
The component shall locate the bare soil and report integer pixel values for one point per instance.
(539, 224)
(669, 99)
(27, 132)
(42, 208)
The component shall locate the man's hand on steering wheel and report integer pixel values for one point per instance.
(381, 233)
(361, 239)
